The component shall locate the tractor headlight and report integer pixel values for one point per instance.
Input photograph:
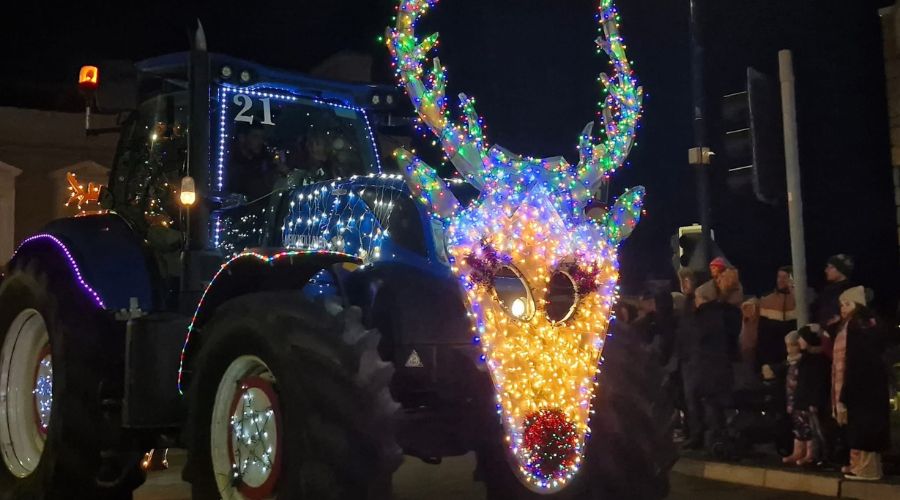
(514, 293)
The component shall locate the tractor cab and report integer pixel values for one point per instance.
(211, 145)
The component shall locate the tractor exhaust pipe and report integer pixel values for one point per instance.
(198, 145)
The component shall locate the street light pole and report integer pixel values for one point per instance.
(700, 155)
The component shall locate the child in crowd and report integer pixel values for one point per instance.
(806, 388)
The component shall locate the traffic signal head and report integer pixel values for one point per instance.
(753, 147)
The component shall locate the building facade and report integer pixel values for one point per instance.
(890, 28)
(37, 149)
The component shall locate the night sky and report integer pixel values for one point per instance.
(532, 66)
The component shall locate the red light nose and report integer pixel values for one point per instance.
(550, 440)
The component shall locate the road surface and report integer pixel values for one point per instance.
(452, 480)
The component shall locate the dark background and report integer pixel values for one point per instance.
(533, 67)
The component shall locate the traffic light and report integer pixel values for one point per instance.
(753, 143)
(685, 246)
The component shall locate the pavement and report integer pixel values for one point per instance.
(452, 480)
(777, 477)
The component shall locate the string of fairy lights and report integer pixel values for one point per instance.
(528, 227)
(351, 216)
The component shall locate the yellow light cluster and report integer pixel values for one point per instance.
(537, 364)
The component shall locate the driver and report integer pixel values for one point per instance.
(251, 170)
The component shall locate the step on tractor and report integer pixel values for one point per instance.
(274, 283)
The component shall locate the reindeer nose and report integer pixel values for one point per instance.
(550, 440)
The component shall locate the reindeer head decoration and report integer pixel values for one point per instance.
(540, 275)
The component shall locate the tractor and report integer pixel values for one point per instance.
(274, 286)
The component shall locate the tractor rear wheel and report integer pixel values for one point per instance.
(630, 451)
(288, 401)
(54, 358)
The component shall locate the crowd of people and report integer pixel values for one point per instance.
(742, 372)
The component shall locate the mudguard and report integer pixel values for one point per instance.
(108, 259)
(251, 272)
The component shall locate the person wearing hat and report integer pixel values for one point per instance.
(849, 300)
(863, 396)
(826, 309)
(725, 280)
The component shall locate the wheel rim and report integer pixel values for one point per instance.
(26, 392)
(245, 433)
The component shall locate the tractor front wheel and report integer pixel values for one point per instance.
(290, 402)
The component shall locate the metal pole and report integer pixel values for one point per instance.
(794, 192)
(700, 139)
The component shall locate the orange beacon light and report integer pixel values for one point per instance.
(88, 77)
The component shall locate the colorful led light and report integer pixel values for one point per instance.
(266, 259)
(72, 264)
(349, 217)
(530, 215)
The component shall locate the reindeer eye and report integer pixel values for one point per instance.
(562, 297)
(513, 293)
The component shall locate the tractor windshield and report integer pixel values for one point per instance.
(266, 135)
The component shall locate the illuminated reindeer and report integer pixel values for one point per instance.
(540, 275)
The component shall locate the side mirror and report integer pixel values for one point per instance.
(227, 201)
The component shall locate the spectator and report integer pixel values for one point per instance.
(725, 278)
(624, 313)
(708, 344)
(864, 395)
(646, 325)
(849, 300)
(827, 307)
(749, 338)
(807, 392)
(687, 281)
(663, 342)
(777, 317)
(799, 418)
(780, 305)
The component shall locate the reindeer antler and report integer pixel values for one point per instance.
(621, 107)
(463, 143)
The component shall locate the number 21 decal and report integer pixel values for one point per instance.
(245, 115)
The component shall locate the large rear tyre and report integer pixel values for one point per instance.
(630, 452)
(55, 352)
(290, 402)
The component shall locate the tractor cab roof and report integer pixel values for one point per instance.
(227, 70)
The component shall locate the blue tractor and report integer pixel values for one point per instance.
(262, 289)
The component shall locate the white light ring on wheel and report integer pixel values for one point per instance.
(41, 371)
(243, 374)
(21, 442)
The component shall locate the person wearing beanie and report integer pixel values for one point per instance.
(724, 284)
(855, 295)
(849, 301)
(839, 267)
(717, 265)
(862, 396)
(826, 309)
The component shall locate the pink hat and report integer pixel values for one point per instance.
(719, 263)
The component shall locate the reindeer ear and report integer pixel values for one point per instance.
(622, 218)
(426, 185)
